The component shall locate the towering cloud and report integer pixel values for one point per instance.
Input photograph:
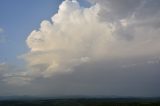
(109, 48)
(77, 35)
(74, 36)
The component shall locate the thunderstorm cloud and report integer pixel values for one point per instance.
(108, 48)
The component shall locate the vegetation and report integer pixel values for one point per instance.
(83, 102)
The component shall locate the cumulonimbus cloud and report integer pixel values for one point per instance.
(76, 35)
(111, 47)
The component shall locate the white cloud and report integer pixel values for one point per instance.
(76, 35)
(94, 50)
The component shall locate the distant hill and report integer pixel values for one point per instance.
(25, 101)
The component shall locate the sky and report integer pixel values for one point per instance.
(80, 47)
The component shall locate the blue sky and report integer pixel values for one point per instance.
(18, 18)
(89, 47)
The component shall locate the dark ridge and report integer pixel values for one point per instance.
(82, 102)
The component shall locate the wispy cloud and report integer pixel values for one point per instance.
(2, 37)
(1, 30)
